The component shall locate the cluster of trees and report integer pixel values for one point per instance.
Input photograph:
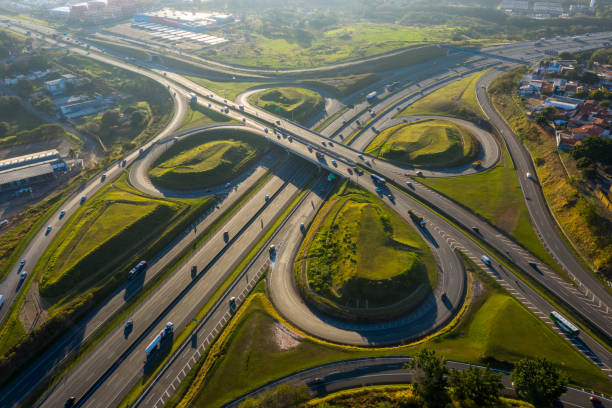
(535, 380)
(435, 386)
(591, 152)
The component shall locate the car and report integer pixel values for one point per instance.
(61, 214)
(318, 380)
(486, 260)
(123, 163)
(83, 198)
(302, 227)
(49, 228)
(23, 275)
(323, 143)
(22, 264)
(1, 301)
(476, 230)
(420, 173)
(310, 148)
(69, 402)
(225, 236)
(129, 324)
(350, 171)
(594, 400)
(409, 184)
(232, 303)
(333, 162)
(227, 185)
(266, 130)
(103, 178)
(330, 144)
(528, 175)
(361, 156)
(267, 197)
(290, 139)
(278, 122)
(194, 270)
(272, 249)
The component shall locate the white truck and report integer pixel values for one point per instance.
(371, 96)
(154, 345)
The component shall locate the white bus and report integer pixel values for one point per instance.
(564, 324)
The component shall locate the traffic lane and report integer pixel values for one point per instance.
(26, 381)
(156, 394)
(536, 202)
(433, 311)
(128, 374)
(116, 343)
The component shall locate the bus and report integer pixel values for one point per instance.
(564, 324)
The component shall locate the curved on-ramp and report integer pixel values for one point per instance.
(434, 312)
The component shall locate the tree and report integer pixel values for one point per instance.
(45, 105)
(481, 386)
(538, 381)
(4, 129)
(24, 88)
(432, 381)
(137, 119)
(109, 119)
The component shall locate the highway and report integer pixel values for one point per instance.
(542, 219)
(118, 381)
(330, 378)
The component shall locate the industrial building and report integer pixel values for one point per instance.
(192, 21)
(23, 171)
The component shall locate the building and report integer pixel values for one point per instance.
(547, 9)
(58, 86)
(88, 107)
(515, 6)
(23, 171)
(193, 21)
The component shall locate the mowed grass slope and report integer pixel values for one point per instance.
(297, 104)
(206, 159)
(427, 144)
(457, 99)
(494, 194)
(100, 237)
(495, 330)
(363, 253)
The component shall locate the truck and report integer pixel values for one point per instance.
(378, 181)
(154, 345)
(142, 265)
(371, 96)
(193, 98)
(417, 218)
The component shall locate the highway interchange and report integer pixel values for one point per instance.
(116, 364)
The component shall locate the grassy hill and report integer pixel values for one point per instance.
(457, 99)
(206, 159)
(362, 254)
(108, 230)
(296, 104)
(428, 144)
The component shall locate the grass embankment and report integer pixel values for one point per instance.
(571, 204)
(457, 99)
(338, 86)
(496, 329)
(198, 116)
(206, 159)
(343, 44)
(427, 144)
(360, 255)
(296, 104)
(388, 396)
(494, 195)
(112, 219)
(101, 237)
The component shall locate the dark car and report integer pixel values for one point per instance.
(70, 402)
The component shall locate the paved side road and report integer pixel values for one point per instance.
(330, 378)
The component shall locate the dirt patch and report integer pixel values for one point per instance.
(284, 338)
(32, 313)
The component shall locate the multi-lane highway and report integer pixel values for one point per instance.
(107, 373)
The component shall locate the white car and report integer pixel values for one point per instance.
(528, 175)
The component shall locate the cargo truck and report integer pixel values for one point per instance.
(417, 218)
(163, 334)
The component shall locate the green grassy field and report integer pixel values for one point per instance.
(338, 45)
(457, 99)
(100, 237)
(496, 329)
(198, 116)
(494, 195)
(427, 144)
(296, 104)
(206, 159)
(387, 396)
(362, 253)
(227, 90)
